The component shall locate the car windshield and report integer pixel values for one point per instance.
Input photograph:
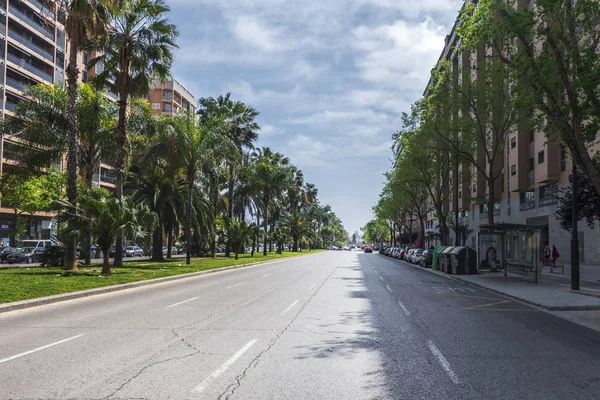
(25, 249)
(129, 248)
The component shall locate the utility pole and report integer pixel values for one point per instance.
(574, 239)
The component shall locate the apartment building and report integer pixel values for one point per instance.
(33, 50)
(171, 97)
(532, 171)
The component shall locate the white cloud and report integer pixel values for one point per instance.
(308, 151)
(270, 130)
(251, 30)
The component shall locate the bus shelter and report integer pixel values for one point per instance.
(515, 248)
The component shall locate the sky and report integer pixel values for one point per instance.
(330, 79)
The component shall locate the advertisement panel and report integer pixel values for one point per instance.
(491, 251)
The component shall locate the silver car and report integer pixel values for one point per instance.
(133, 251)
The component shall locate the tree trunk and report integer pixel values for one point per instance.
(215, 201)
(295, 245)
(188, 219)
(106, 264)
(410, 232)
(266, 227)
(72, 75)
(230, 204)
(14, 230)
(157, 236)
(422, 236)
(169, 239)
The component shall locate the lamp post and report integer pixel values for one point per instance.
(574, 239)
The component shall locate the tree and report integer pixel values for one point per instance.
(552, 49)
(104, 217)
(376, 231)
(587, 203)
(30, 194)
(242, 132)
(237, 233)
(298, 227)
(139, 47)
(196, 144)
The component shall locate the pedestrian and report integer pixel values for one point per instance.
(547, 252)
(555, 253)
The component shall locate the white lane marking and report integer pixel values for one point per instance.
(381, 279)
(282, 269)
(202, 385)
(322, 276)
(264, 276)
(389, 289)
(443, 362)
(182, 302)
(40, 348)
(237, 284)
(312, 286)
(290, 307)
(404, 309)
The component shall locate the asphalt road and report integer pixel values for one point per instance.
(335, 325)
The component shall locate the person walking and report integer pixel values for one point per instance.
(547, 252)
(555, 253)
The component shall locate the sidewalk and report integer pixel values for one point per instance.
(546, 294)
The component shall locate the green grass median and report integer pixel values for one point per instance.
(29, 283)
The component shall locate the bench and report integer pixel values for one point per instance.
(548, 262)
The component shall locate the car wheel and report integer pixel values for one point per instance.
(29, 260)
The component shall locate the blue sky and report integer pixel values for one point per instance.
(331, 79)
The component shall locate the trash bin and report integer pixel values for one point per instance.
(463, 261)
(435, 262)
(445, 260)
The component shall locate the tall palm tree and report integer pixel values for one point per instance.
(196, 144)
(237, 233)
(271, 175)
(242, 132)
(139, 48)
(84, 18)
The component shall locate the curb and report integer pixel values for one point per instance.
(529, 302)
(40, 301)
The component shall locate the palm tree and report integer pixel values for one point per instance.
(270, 174)
(139, 48)
(298, 227)
(237, 233)
(104, 217)
(196, 144)
(242, 132)
(84, 18)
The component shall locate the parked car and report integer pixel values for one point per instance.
(402, 254)
(5, 253)
(427, 258)
(368, 250)
(417, 256)
(26, 255)
(395, 253)
(133, 251)
(388, 251)
(54, 256)
(409, 254)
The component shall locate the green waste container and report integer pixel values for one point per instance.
(435, 263)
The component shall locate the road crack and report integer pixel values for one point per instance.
(231, 389)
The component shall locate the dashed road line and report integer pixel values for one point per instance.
(312, 286)
(202, 385)
(183, 302)
(389, 289)
(289, 307)
(264, 276)
(404, 309)
(39, 348)
(443, 362)
(232, 286)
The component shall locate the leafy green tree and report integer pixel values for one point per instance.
(31, 194)
(237, 233)
(552, 48)
(139, 47)
(298, 227)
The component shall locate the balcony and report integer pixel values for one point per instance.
(16, 84)
(9, 106)
(43, 8)
(29, 67)
(530, 177)
(108, 179)
(530, 149)
(30, 45)
(35, 25)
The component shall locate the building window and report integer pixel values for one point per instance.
(84, 76)
(541, 157)
(513, 143)
(167, 95)
(527, 200)
(513, 170)
(156, 106)
(563, 158)
(549, 195)
(84, 58)
(474, 188)
(167, 108)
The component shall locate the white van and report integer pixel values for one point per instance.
(36, 244)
